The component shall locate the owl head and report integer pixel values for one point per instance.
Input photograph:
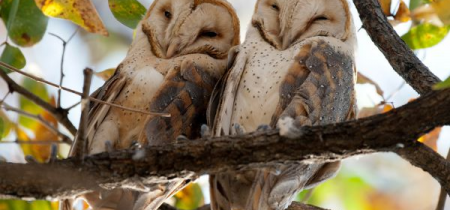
(283, 23)
(181, 27)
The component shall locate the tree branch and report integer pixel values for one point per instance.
(59, 114)
(79, 147)
(382, 133)
(399, 55)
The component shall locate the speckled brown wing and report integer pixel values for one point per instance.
(184, 95)
(319, 89)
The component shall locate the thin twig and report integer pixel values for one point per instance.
(73, 106)
(65, 139)
(80, 94)
(47, 142)
(79, 147)
(443, 194)
(59, 114)
(61, 78)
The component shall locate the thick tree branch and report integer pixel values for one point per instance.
(399, 55)
(59, 114)
(388, 132)
(430, 162)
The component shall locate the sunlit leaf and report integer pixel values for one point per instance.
(403, 14)
(413, 4)
(12, 56)
(424, 36)
(442, 8)
(386, 6)
(26, 105)
(443, 85)
(191, 197)
(41, 133)
(362, 79)
(2, 128)
(27, 26)
(5, 125)
(431, 138)
(25, 205)
(106, 74)
(81, 12)
(128, 12)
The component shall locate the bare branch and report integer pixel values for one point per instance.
(46, 142)
(61, 79)
(396, 129)
(80, 94)
(79, 148)
(65, 139)
(59, 114)
(399, 55)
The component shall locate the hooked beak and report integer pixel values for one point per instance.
(173, 48)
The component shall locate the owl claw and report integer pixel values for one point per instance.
(239, 129)
(288, 128)
(182, 138)
(205, 132)
(53, 153)
(108, 146)
(263, 128)
(30, 159)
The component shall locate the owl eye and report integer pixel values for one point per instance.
(275, 7)
(320, 18)
(210, 34)
(168, 14)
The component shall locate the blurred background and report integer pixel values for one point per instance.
(379, 181)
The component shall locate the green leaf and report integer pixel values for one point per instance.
(415, 3)
(443, 85)
(191, 197)
(5, 125)
(12, 56)
(2, 128)
(25, 205)
(424, 36)
(28, 25)
(128, 12)
(38, 89)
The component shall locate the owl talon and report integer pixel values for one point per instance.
(182, 138)
(53, 153)
(30, 159)
(108, 146)
(288, 128)
(263, 128)
(239, 129)
(205, 132)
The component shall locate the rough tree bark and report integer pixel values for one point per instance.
(399, 128)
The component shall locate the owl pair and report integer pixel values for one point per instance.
(295, 68)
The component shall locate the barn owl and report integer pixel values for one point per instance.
(179, 53)
(295, 68)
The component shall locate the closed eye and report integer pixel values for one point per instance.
(320, 18)
(275, 7)
(210, 34)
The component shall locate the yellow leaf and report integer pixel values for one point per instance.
(386, 6)
(81, 12)
(191, 197)
(431, 138)
(442, 9)
(106, 74)
(403, 14)
(41, 152)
